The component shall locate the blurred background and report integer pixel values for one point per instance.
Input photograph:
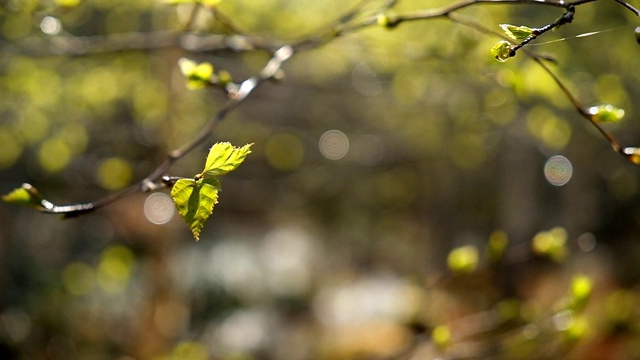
(407, 195)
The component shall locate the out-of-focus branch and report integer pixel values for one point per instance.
(157, 178)
(87, 45)
(354, 20)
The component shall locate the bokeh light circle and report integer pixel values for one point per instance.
(334, 144)
(50, 25)
(558, 170)
(158, 208)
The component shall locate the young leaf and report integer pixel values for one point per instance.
(25, 195)
(194, 200)
(502, 51)
(224, 158)
(606, 113)
(633, 154)
(517, 32)
(198, 75)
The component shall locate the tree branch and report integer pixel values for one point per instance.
(155, 180)
(350, 22)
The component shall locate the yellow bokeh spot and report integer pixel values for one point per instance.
(78, 278)
(100, 86)
(210, 3)
(150, 102)
(33, 125)
(15, 27)
(11, 149)
(555, 133)
(620, 305)
(284, 151)
(114, 173)
(190, 350)
(122, 19)
(441, 335)
(114, 270)
(551, 243)
(396, 187)
(75, 136)
(578, 328)
(67, 3)
(467, 150)
(54, 155)
(611, 89)
(622, 184)
(463, 259)
(534, 80)
(498, 242)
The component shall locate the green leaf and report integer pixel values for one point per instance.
(224, 158)
(606, 113)
(198, 75)
(195, 200)
(25, 195)
(502, 51)
(516, 32)
(633, 154)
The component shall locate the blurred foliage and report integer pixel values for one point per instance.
(313, 254)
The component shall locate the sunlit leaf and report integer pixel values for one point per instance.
(25, 195)
(633, 154)
(195, 200)
(198, 75)
(606, 113)
(223, 158)
(516, 32)
(502, 51)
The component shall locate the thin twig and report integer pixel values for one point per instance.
(153, 180)
(346, 24)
